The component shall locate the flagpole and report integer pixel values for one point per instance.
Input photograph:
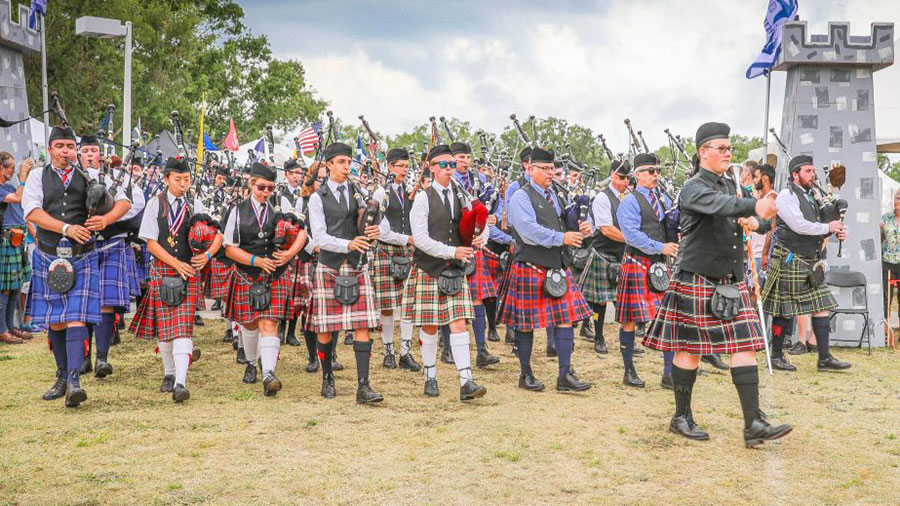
(44, 87)
(766, 121)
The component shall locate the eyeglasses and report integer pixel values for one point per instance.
(546, 168)
(265, 187)
(723, 149)
(444, 165)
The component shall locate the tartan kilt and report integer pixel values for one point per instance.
(143, 267)
(525, 306)
(215, 276)
(493, 265)
(328, 315)
(787, 291)
(481, 284)
(593, 282)
(388, 291)
(237, 298)
(635, 301)
(80, 304)
(302, 286)
(424, 304)
(12, 272)
(155, 320)
(685, 323)
(115, 273)
(134, 276)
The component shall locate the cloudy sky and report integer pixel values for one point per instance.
(662, 63)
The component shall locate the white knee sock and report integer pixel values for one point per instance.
(251, 344)
(181, 350)
(459, 343)
(165, 352)
(387, 329)
(406, 330)
(239, 331)
(429, 353)
(268, 352)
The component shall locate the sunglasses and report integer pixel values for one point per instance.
(654, 170)
(265, 187)
(444, 165)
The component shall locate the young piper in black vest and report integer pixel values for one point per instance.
(288, 199)
(260, 288)
(214, 285)
(162, 316)
(55, 200)
(333, 213)
(439, 252)
(706, 308)
(800, 239)
(529, 303)
(394, 247)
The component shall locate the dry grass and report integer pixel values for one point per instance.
(130, 444)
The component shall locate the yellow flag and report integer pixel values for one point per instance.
(200, 138)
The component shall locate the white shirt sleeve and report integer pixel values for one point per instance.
(602, 210)
(789, 212)
(137, 203)
(230, 225)
(418, 220)
(149, 225)
(33, 195)
(316, 220)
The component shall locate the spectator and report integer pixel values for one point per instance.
(12, 248)
(890, 251)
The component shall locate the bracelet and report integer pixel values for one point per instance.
(252, 259)
(21, 184)
(208, 256)
(64, 228)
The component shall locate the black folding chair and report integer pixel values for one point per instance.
(852, 280)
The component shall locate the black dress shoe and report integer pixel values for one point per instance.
(180, 393)
(761, 431)
(447, 355)
(600, 346)
(812, 348)
(336, 366)
(312, 365)
(86, 366)
(471, 390)
(195, 355)
(493, 336)
(390, 361)
(365, 394)
(431, 388)
(102, 369)
(228, 336)
(631, 378)
(328, 391)
(168, 384)
(348, 339)
(684, 425)
(782, 364)
(217, 305)
(715, 361)
(666, 382)
(271, 384)
(529, 382)
(74, 396)
(241, 356)
(409, 362)
(832, 364)
(510, 337)
(587, 329)
(58, 389)
(551, 351)
(484, 358)
(292, 340)
(198, 320)
(798, 349)
(250, 373)
(569, 382)
(638, 351)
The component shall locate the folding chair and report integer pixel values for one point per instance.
(851, 280)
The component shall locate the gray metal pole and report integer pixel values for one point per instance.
(766, 122)
(126, 99)
(45, 92)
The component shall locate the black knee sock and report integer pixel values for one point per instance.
(325, 354)
(524, 345)
(780, 326)
(362, 350)
(599, 320)
(822, 330)
(490, 311)
(310, 338)
(683, 380)
(292, 328)
(746, 381)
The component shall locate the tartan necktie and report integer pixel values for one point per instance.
(64, 176)
(468, 183)
(549, 196)
(654, 202)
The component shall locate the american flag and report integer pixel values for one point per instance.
(308, 139)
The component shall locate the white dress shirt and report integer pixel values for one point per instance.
(316, 219)
(387, 235)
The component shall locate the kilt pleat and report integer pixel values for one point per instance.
(134, 275)
(237, 298)
(481, 284)
(493, 264)
(12, 272)
(787, 291)
(142, 261)
(80, 304)
(635, 301)
(684, 321)
(593, 282)
(302, 286)
(156, 320)
(525, 306)
(328, 315)
(388, 291)
(115, 273)
(215, 277)
(424, 304)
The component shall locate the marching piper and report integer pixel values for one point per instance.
(288, 198)
(216, 278)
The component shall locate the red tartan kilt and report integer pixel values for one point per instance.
(237, 300)
(525, 306)
(481, 284)
(635, 301)
(493, 265)
(155, 320)
(215, 279)
(328, 315)
(302, 287)
(388, 291)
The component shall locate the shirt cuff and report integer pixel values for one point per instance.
(557, 238)
(657, 247)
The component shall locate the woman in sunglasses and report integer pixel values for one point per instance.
(260, 287)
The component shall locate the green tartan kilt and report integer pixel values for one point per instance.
(787, 291)
(12, 272)
(593, 281)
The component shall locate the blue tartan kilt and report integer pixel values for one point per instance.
(117, 280)
(143, 267)
(12, 272)
(80, 304)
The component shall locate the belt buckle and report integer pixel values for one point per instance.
(64, 252)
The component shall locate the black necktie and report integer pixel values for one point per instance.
(177, 206)
(447, 202)
(343, 199)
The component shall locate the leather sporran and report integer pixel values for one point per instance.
(725, 303)
(346, 289)
(260, 295)
(556, 284)
(658, 277)
(450, 282)
(61, 275)
(400, 267)
(580, 258)
(172, 290)
(817, 274)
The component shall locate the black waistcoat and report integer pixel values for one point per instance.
(68, 205)
(442, 228)
(182, 248)
(650, 225)
(340, 222)
(551, 257)
(603, 243)
(397, 213)
(806, 245)
(247, 234)
(711, 245)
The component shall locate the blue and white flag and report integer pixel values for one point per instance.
(778, 13)
(260, 146)
(38, 8)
